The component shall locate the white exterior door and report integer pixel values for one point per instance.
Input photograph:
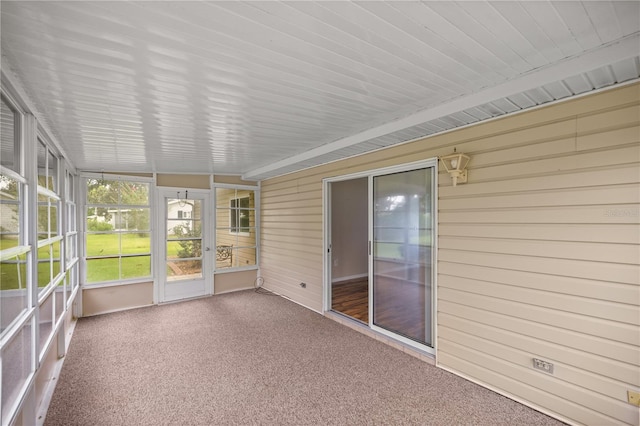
(185, 267)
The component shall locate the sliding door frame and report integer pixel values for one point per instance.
(326, 202)
(432, 308)
(326, 232)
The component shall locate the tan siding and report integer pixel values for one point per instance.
(607, 194)
(487, 370)
(597, 252)
(534, 215)
(591, 403)
(600, 290)
(538, 253)
(614, 360)
(600, 233)
(568, 268)
(622, 175)
(594, 368)
(615, 312)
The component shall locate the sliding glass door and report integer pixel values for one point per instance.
(401, 258)
(392, 287)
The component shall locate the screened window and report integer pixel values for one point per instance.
(236, 228)
(47, 167)
(71, 281)
(118, 237)
(16, 310)
(13, 251)
(49, 233)
(9, 142)
(13, 246)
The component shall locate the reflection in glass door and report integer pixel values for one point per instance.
(185, 247)
(401, 257)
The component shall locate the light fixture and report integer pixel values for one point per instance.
(456, 166)
(183, 202)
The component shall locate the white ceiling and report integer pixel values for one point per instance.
(264, 88)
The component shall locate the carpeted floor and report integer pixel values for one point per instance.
(245, 358)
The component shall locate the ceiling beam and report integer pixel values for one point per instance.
(601, 56)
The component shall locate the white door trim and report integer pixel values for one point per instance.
(197, 287)
(326, 223)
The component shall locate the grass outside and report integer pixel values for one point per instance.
(111, 269)
(13, 271)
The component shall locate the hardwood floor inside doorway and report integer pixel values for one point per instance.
(351, 298)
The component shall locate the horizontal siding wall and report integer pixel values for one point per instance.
(538, 253)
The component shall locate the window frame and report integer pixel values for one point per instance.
(234, 213)
(53, 200)
(23, 325)
(218, 227)
(85, 258)
(71, 258)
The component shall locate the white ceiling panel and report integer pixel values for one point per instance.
(263, 88)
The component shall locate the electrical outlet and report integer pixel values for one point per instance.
(545, 366)
(303, 285)
(633, 397)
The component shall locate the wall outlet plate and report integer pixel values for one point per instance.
(545, 366)
(633, 397)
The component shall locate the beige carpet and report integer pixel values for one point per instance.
(246, 358)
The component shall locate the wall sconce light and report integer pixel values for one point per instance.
(456, 166)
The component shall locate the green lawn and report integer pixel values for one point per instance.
(13, 272)
(99, 270)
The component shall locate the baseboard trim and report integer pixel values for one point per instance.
(344, 280)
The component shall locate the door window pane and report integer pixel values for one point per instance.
(402, 234)
(183, 269)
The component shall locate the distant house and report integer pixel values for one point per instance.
(178, 210)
